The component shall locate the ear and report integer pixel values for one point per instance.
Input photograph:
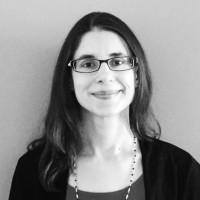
(136, 83)
(136, 77)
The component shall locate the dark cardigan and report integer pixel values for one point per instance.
(169, 174)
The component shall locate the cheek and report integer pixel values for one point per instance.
(80, 85)
(129, 82)
(76, 84)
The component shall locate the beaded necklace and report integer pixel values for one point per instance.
(132, 172)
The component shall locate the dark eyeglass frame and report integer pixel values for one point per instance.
(134, 63)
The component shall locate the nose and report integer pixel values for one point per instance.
(104, 74)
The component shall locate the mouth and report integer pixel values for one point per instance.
(106, 94)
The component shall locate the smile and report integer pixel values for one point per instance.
(106, 94)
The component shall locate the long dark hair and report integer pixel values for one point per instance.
(61, 139)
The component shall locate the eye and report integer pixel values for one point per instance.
(116, 62)
(87, 63)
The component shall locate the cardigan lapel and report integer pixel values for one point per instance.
(146, 150)
(159, 170)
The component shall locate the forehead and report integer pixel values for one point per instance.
(101, 44)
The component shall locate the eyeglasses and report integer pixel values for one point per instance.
(89, 65)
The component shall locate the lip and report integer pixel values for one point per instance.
(106, 94)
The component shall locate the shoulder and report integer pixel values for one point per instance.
(169, 153)
(25, 183)
(170, 164)
(27, 171)
(30, 159)
(174, 152)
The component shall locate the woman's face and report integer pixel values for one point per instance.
(104, 92)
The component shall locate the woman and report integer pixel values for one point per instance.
(100, 133)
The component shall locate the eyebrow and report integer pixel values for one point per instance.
(117, 54)
(86, 56)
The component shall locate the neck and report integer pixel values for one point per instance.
(106, 136)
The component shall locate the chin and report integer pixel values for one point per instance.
(107, 112)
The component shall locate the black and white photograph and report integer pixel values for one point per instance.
(99, 100)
